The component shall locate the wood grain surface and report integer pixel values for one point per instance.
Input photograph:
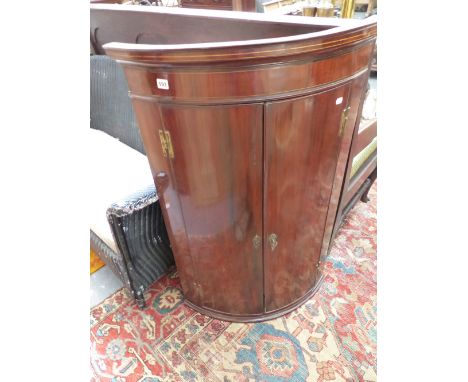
(259, 145)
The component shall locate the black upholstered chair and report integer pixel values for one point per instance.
(127, 229)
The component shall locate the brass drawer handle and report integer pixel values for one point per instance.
(273, 240)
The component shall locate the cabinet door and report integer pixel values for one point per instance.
(216, 170)
(302, 145)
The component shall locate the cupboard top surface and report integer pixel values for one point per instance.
(166, 35)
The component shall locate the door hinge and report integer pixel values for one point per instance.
(344, 120)
(166, 143)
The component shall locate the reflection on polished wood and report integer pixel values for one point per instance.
(220, 192)
(302, 146)
(247, 138)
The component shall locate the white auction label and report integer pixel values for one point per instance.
(162, 83)
(339, 100)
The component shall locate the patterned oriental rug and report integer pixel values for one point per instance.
(332, 337)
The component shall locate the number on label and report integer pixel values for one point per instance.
(162, 83)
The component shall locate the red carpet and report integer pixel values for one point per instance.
(332, 337)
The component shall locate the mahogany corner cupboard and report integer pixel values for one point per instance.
(247, 121)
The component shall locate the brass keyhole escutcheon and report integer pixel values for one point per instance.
(273, 240)
(256, 241)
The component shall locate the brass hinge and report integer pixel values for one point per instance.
(344, 120)
(166, 143)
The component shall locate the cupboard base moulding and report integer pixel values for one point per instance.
(258, 317)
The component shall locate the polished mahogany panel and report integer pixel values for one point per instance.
(217, 175)
(150, 122)
(248, 141)
(302, 142)
(356, 99)
(240, 84)
(158, 25)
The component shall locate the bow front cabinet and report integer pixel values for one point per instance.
(247, 138)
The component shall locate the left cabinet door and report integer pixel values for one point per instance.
(213, 199)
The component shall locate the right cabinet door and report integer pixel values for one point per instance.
(303, 139)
